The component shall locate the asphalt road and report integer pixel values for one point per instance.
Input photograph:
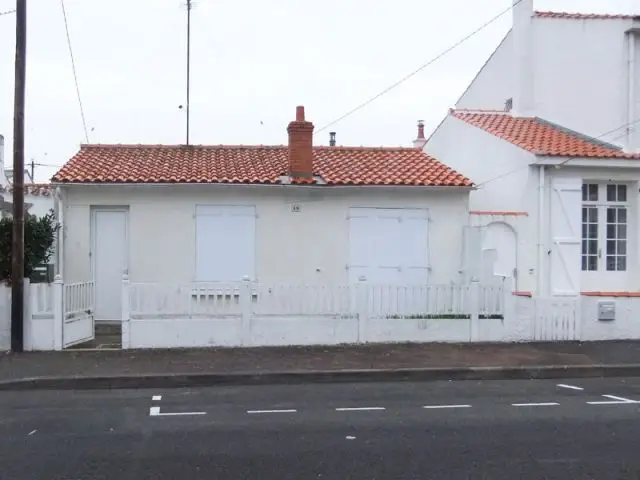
(536, 429)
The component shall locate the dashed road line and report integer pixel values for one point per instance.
(358, 409)
(291, 410)
(155, 412)
(571, 387)
(156, 398)
(447, 406)
(614, 401)
(542, 404)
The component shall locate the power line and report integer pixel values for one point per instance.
(516, 170)
(419, 69)
(75, 75)
(7, 12)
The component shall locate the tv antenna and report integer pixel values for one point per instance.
(190, 5)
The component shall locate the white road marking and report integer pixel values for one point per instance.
(349, 437)
(32, 432)
(543, 404)
(272, 411)
(155, 412)
(156, 398)
(358, 409)
(614, 401)
(447, 406)
(571, 387)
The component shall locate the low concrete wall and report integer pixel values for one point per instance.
(625, 326)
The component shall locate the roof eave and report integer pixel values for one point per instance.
(271, 185)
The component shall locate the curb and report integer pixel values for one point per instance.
(336, 376)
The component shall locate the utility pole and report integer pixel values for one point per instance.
(189, 7)
(17, 240)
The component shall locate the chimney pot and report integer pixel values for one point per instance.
(332, 139)
(420, 140)
(300, 146)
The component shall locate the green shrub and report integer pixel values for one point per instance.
(39, 235)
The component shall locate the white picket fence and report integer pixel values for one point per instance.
(56, 315)
(251, 314)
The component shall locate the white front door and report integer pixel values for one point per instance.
(605, 236)
(388, 245)
(110, 260)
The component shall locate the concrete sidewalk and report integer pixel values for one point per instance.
(179, 368)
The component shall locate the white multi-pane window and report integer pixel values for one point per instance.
(604, 227)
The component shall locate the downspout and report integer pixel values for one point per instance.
(631, 92)
(541, 242)
(59, 210)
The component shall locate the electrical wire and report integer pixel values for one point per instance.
(516, 170)
(75, 74)
(7, 12)
(419, 69)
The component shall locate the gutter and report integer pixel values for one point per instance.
(59, 209)
(269, 185)
(541, 243)
(631, 92)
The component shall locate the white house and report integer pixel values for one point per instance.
(551, 135)
(296, 213)
(38, 197)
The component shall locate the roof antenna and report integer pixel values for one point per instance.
(190, 6)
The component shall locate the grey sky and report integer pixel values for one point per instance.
(253, 61)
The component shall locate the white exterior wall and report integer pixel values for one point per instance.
(41, 204)
(511, 184)
(306, 247)
(581, 75)
(492, 86)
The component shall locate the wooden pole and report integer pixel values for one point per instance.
(17, 247)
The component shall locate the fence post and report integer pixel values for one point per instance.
(27, 315)
(245, 309)
(58, 313)
(126, 313)
(362, 306)
(474, 300)
(508, 305)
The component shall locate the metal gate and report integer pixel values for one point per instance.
(556, 318)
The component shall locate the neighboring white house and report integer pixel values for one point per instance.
(38, 197)
(296, 214)
(557, 203)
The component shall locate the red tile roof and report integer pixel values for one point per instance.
(586, 16)
(35, 189)
(539, 136)
(253, 165)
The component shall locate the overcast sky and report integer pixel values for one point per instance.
(253, 61)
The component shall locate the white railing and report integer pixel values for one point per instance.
(153, 299)
(416, 300)
(491, 300)
(376, 301)
(284, 299)
(78, 299)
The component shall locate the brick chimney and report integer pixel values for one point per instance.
(420, 141)
(300, 146)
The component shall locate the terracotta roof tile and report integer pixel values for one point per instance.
(541, 137)
(254, 165)
(586, 16)
(35, 189)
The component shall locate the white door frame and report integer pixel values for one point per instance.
(98, 209)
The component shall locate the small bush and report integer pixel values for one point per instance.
(39, 235)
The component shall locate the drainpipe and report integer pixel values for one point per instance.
(631, 147)
(541, 242)
(59, 210)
